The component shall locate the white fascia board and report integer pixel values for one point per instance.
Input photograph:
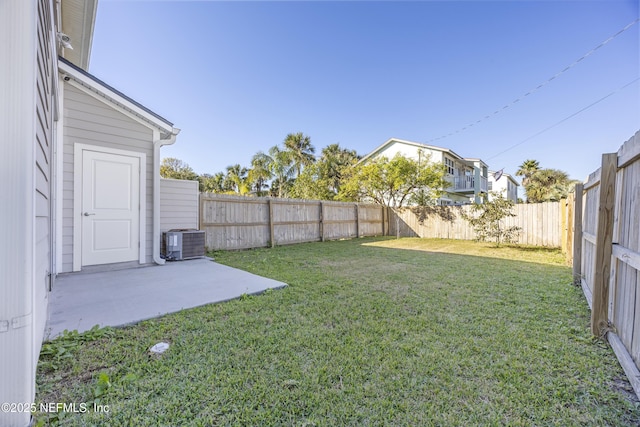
(377, 150)
(428, 147)
(91, 10)
(83, 82)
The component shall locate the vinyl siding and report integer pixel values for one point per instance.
(94, 122)
(43, 168)
(178, 204)
(26, 124)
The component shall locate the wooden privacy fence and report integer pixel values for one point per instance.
(235, 222)
(542, 224)
(607, 252)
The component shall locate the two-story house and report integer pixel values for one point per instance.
(468, 176)
(505, 185)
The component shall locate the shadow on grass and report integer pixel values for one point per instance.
(533, 254)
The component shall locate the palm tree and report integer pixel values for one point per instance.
(333, 162)
(212, 183)
(282, 169)
(527, 169)
(548, 185)
(260, 171)
(300, 149)
(237, 178)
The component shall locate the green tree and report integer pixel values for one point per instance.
(312, 185)
(173, 168)
(236, 179)
(548, 185)
(300, 151)
(213, 183)
(393, 182)
(487, 219)
(323, 179)
(260, 172)
(334, 163)
(281, 167)
(527, 169)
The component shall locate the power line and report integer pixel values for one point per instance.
(541, 85)
(566, 118)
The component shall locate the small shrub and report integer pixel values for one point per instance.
(487, 220)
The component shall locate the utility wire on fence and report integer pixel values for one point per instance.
(541, 85)
(566, 118)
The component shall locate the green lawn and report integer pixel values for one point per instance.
(369, 332)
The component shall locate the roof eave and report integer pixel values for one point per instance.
(415, 144)
(78, 18)
(117, 98)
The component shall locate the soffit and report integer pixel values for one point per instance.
(78, 21)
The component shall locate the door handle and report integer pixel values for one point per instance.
(88, 214)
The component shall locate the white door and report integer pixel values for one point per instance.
(110, 207)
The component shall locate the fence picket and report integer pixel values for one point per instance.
(607, 252)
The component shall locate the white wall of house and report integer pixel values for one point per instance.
(27, 107)
(410, 151)
(506, 185)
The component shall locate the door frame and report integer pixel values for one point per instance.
(78, 150)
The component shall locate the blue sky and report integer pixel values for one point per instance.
(237, 77)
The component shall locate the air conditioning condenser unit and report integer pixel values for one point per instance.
(182, 244)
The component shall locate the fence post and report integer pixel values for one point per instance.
(577, 234)
(271, 233)
(604, 243)
(564, 232)
(321, 222)
(567, 243)
(357, 221)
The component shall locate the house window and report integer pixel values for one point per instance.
(449, 164)
(490, 185)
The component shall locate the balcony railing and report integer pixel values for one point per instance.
(467, 183)
(483, 184)
(461, 183)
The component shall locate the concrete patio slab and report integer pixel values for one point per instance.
(117, 298)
